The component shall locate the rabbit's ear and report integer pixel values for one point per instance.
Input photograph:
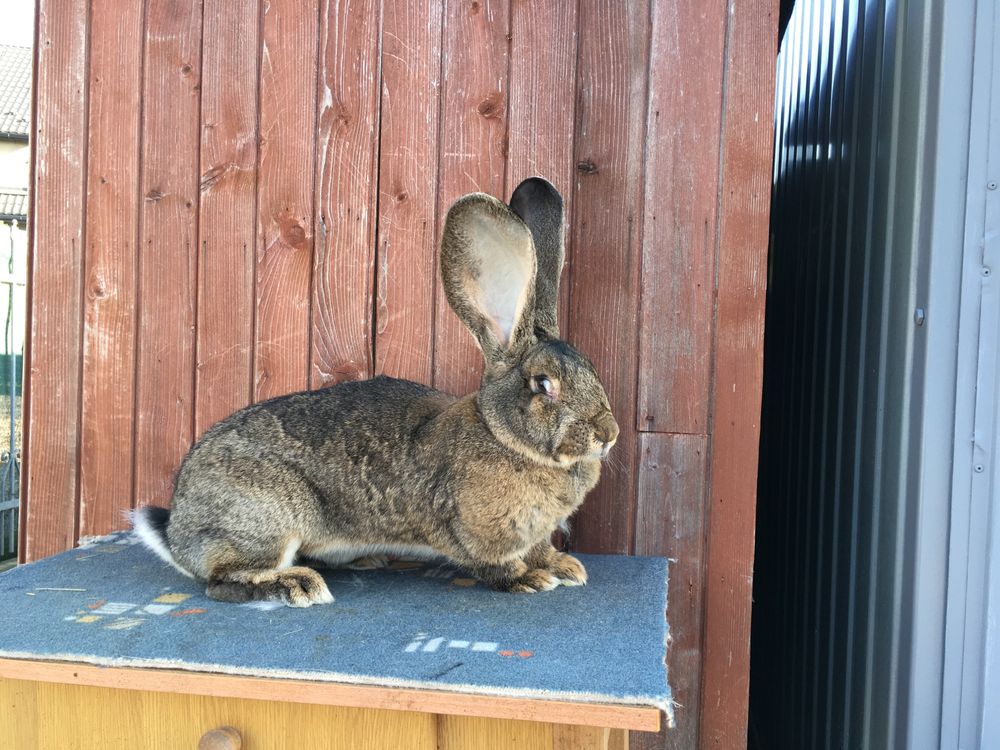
(540, 206)
(488, 270)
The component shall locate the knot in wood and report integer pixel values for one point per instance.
(342, 116)
(586, 166)
(490, 107)
(292, 232)
(212, 176)
(346, 371)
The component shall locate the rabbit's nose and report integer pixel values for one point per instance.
(606, 428)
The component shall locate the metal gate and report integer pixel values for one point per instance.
(12, 300)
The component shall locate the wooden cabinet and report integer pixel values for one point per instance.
(49, 706)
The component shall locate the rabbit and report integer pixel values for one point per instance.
(388, 466)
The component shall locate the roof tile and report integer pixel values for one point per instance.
(15, 91)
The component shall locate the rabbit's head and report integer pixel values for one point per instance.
(500, 267)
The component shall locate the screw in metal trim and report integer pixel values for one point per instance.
(919, 316)
(991, 185)
(979, 468)
(986, 271)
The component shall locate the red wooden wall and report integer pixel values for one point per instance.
(237, 199)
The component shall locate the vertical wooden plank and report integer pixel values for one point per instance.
(168, 255)
(679, 222)
(285, 196)
(604, 278)
(109, 716)
(476, 733)
(475, 69)
(347, 192)
(19, 709)
(670, 522)
(745, 197)
(542, 99)
(112, 232)
(227, 210)
(52, 386)
(407, 229)
(570, 737)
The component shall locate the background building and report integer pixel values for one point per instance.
(15, 157)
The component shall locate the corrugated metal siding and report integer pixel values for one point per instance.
(839, 346)
(971, 663)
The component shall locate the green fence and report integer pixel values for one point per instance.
(5, 373)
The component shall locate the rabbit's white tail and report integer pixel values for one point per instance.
(150, 525)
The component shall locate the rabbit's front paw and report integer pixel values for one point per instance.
(567, 570)
(302, 587)
(530, 582)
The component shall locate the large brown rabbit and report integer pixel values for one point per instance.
(390, 466)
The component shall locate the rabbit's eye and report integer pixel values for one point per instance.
(544, 384)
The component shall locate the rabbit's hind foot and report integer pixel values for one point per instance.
(297, 586)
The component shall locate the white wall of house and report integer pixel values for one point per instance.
(15, 157)
(13, 243)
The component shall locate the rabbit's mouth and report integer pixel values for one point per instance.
(605, 435)
(601, 450)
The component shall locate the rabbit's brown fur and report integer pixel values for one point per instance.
(391, 466)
